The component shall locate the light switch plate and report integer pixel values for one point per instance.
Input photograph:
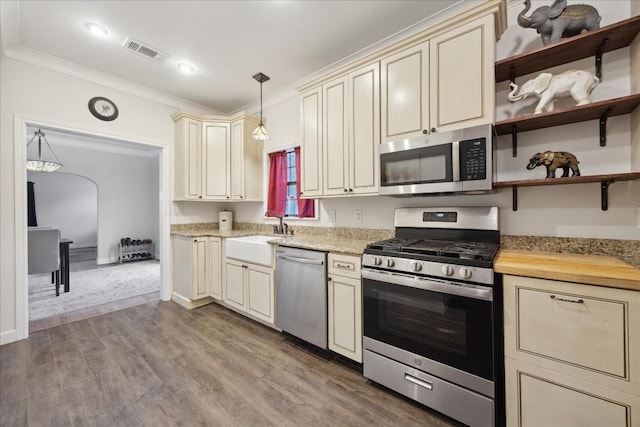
(331, 215)
(358, 216)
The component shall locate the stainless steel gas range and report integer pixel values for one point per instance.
(432, 312)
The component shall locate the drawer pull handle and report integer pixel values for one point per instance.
(418, 381)
(580, 301)
(337, 264)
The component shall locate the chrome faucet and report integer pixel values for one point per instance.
(280, 228)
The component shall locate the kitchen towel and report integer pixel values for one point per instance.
(225, 220)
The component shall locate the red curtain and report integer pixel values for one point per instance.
(306, 207)
(277, 183)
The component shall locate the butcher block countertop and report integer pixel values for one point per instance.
(589, 269)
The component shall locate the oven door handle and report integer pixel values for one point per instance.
(460, 289)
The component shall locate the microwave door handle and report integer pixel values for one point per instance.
(455, 160)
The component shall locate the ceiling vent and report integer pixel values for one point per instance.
(145, 50)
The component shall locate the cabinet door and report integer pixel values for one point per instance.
(234, 293)
(462, 78)
(215, 271)
(188, 161)
(345, 316)
(538, 397)
(200, 265)
(237, 163)
(335, 137)
(364, 129)
(260, 293)
(216, 146)
(405, 93)
(311, 148)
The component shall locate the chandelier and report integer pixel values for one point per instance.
(42, 165)
(260, 133)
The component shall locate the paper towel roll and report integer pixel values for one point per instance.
(225, 220)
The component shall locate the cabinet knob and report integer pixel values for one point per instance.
(351, 190)
(345, 190)
(433, 130)
(199, 197)
(301, 193)
(328, 279)
(424, 131)
(227, 197)
(241, 197)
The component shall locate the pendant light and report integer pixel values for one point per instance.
(41, 165)
(260, 133)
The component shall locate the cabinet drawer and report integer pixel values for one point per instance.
(573, 328)
(538, 397)
(344, 265)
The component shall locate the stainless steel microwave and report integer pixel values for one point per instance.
(457, 162)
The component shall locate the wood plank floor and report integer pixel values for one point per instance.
(159, 364)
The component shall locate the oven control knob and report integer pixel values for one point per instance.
(465, 273)
(447, 270)
(416, 266)
(377, 260)
(390, 262)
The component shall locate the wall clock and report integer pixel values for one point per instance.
(103, 108)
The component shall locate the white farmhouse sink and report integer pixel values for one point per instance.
(253, 249)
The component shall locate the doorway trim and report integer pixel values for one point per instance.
(20, 207)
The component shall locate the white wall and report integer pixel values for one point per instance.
(127, 195)
(68, 202)
(41, 96)
(562, 211)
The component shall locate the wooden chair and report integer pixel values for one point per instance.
(44, 253)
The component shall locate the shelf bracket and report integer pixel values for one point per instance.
(604, 193)
(514, 198)
(599, 53)
(514, 140)
(603, 125)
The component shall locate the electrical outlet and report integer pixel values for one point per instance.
(358, 216)
(331, 215)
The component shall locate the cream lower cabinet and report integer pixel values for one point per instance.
(345, 306)
(195, 270)
(443, 84)
(572, 355)
(249, 289)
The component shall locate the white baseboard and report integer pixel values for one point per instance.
(101, 261)
(189, 303)
(8, 337)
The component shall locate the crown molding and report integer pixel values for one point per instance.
(72, 69)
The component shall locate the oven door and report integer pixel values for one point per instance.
(447, 322)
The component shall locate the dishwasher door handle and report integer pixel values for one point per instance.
(300, 260)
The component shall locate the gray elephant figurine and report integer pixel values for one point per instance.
(554, 160)
(559, 20)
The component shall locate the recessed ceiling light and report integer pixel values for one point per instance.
(185, 68)
(96, 29)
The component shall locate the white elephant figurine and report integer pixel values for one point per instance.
(575, 83)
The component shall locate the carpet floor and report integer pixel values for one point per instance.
(91, 287)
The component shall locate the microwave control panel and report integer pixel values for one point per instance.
(473, 159)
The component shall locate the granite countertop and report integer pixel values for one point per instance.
(579, 268)
(344, 241)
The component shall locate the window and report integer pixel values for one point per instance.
(284, 189)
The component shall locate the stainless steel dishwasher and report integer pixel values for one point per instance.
(301, 294)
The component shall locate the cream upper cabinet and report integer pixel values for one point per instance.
(335, 137)
(216, 140)
(351, 133)
(246, 161)
(440, 85)
(364, 129)
(462, 81)
(216, 158)
(572, 350)
(405, 93)
(188, 159)
(311, 147)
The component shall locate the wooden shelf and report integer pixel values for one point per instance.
(595, 110)
(571, 49)
(568, 180)
(604, 180)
